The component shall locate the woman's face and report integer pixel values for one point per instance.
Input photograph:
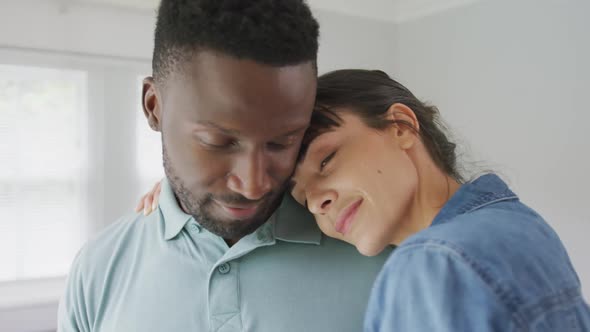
(359, 183)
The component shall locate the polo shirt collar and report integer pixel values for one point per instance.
(295, 224)
(174, 216)
(290, 223)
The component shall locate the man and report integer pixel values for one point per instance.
(232, 93)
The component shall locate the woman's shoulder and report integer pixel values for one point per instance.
(500, 236)
(510, 248)
(458, 272)
(498, 228)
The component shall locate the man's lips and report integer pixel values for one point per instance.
(346, 217)
(239, 211)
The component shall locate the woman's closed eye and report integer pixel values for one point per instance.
(326, 160)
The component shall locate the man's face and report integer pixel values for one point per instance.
(231, 131)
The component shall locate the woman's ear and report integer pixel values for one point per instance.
(406, 127)
(151, 106)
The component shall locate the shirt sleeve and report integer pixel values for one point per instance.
(434, 288)
(72, 312)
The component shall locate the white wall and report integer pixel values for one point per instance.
(77, 28)
(509, 76)
(88, 29)
(512, 78)
(115, 45)
(349, 42)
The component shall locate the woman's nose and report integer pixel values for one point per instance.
(321, 202)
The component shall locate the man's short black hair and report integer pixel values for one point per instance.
(272, 32)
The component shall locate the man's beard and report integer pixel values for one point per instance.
(201, 208)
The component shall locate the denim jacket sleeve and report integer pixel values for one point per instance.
(430, 287)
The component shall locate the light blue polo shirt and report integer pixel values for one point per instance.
(164, 272)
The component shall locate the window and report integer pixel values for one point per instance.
(68, 156)
(43, 166)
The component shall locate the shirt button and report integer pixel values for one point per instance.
(224, 268)
(263, 236)
(260, 236)
(195, 228)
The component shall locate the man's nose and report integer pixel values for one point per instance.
(250, 177)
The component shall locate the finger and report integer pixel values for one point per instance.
(147, 204)
(156, 199)
(139, 206)
(154, 187)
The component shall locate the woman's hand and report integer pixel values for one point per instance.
(149, 201)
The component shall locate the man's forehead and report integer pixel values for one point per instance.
(247, 83)
(208, 63)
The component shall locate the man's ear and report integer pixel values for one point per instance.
(406, 127)
(151, 104)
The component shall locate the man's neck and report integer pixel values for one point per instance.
(231, 242)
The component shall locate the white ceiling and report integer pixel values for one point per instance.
(388, 10)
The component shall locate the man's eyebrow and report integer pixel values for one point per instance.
(295, 131)
(233, 132)
(226, 131)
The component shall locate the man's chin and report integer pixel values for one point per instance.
(244, 216)
(228, 228)
(224, 222)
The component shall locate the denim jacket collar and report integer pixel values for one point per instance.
(485, 190)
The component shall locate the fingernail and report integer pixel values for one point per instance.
(147, 211)
(154, 206)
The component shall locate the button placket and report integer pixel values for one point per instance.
(223, 298)
(194, 228)
(224, 268)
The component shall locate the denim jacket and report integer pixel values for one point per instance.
(487, 263)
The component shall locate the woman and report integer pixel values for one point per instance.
(376, 169)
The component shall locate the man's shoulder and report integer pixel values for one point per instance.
(115, 241)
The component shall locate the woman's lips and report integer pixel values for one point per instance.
(346, 217)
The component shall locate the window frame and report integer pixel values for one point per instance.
(106, 76)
